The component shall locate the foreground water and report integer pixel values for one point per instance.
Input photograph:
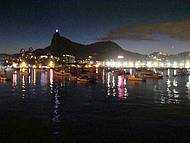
(49, 109)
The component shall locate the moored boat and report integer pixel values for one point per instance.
(86, 79)
(182, 72)
(62, 73)
(154, 76)
(83, 79)
(4, 78)
(151, 74)
(135, 78)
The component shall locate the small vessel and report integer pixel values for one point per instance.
(83, 79)
(135, 78)
(86, 79)
(151, 74)
(182, 72)
(4, 78)
(154, 76)
(62, 73)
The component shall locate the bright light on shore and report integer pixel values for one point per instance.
(149, 64)
(120, 57)
(23, 65)
(175, 65)
(51, 64)
(14, 65)
(34, 66)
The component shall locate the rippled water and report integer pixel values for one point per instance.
(43, 107)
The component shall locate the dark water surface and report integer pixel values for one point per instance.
(44, 108)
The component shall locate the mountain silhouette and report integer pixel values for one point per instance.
(100, 50)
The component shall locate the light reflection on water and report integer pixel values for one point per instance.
(15, 78)
(188, 84)
(169, 90)
(169, 72)
(34, 76)
(44, 78)
(47, 92)
(175, 72)
(23, 86)
(56, 110)
(122, 90)
(51, 81)
(188, 88)
(29, 77)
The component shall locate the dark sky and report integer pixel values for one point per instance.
(137, 25)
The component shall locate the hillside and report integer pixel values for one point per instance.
(100, 50)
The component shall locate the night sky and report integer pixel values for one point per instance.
(137, 25)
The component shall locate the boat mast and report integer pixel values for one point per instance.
(184, 59)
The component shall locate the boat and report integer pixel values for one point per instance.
(182, 72)
(135, 78)
(83, 79)
(151, 74)
(62, 73)
(86, 79)
(154, 76)
(4, 78)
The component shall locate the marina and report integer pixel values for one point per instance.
(64, 110)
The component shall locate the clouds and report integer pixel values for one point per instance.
(180, 30)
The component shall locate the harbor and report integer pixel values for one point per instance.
(44, 107)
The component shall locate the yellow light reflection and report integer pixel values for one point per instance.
(34, 77)
(23, 65)
(23, 87)
(51, 80)
(103, 74)
(51, 64)
(97, 71)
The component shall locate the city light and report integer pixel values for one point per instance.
(51, 64)
(175, 65)
(148, 64)
(23, 65)
(120, 57)
(14, 65)
(34, 66)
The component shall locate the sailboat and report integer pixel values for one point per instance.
(135, 78)
(61, 73)
(3, 77)
(183, 71)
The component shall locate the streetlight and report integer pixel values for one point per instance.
(51, 64)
